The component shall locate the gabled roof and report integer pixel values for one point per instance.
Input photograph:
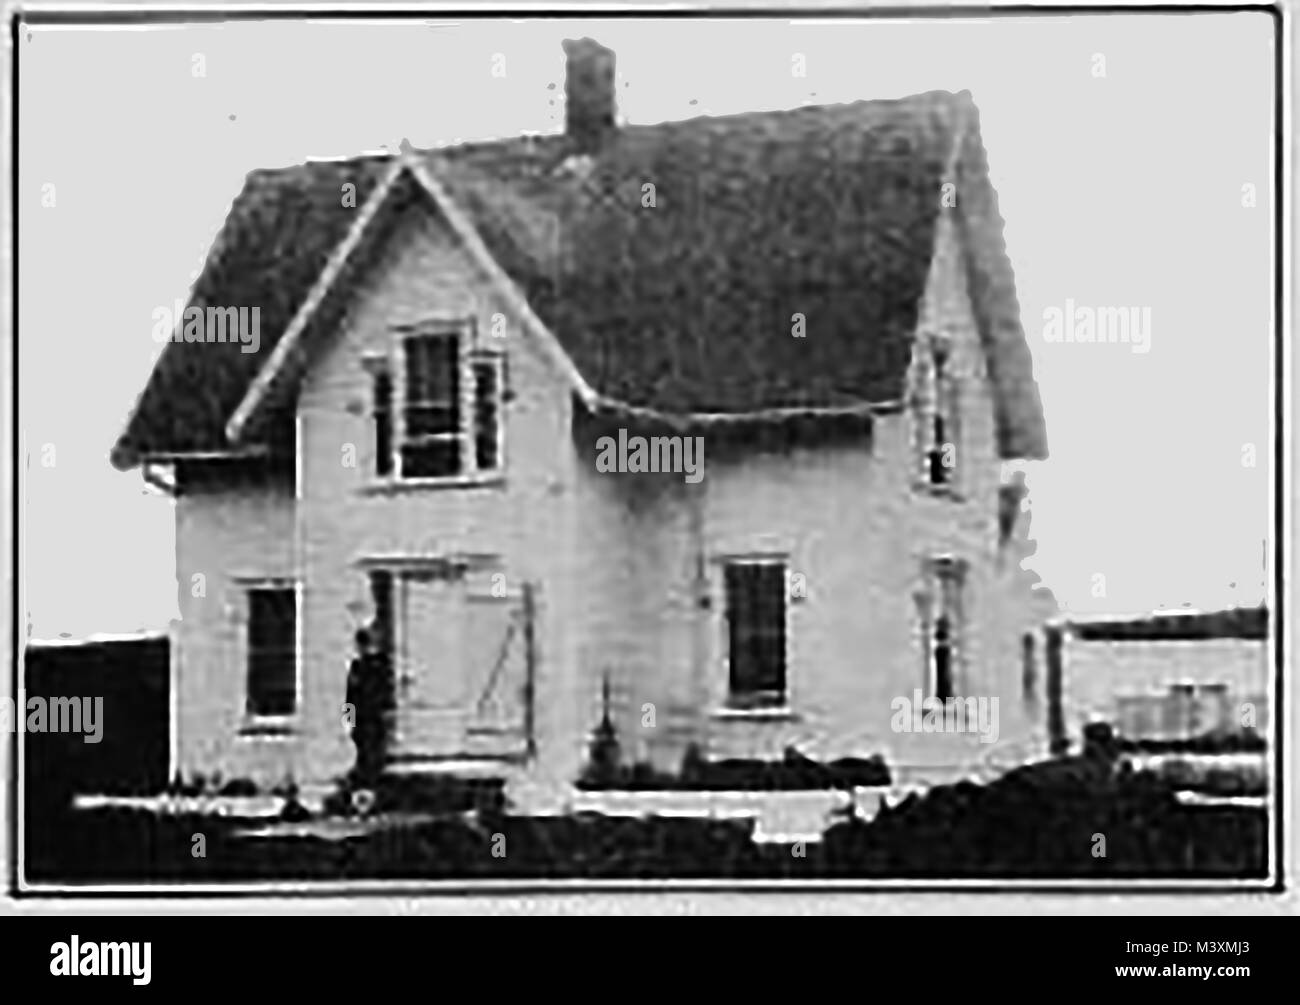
(684, 306)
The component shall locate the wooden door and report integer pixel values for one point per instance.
(432, 692)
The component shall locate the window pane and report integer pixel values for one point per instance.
(946, 629)
(432, 369)
(272, 673)
(943, 658)
(426, 420)
(487, 410)
(431, 458)
(756, 626)
(432, 406)
(938, 470)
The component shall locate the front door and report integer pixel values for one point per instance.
(462, 647)
(432, 700)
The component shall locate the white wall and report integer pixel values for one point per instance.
(850, 519)
(346, 515)
(231, 538)
(1098, 676)
(618, 558)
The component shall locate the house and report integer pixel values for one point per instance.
(1171, 680)
(820, 295)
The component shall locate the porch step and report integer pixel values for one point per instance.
(457, 766)
(442, 785)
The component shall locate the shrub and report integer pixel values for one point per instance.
(239, 787)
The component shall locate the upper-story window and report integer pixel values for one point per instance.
(937, 418)
(432, 426)
(447, 421)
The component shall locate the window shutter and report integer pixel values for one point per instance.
(487, 413)
(383, 413)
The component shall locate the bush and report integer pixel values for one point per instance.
(794, 772)
(1041, 821)
(239, 787)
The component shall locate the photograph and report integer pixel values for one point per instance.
(459, 451)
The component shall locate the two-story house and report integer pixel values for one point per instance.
(821, 295)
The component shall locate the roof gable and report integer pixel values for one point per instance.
(678, 297)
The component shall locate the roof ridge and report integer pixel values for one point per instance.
(935, 98)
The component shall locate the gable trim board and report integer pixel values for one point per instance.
(261, 384)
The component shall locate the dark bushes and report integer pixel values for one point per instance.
(1057, 820)
(794, 772)
(1062, 819)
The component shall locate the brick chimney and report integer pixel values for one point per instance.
(588, 93)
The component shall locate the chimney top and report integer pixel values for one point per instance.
(588, 93)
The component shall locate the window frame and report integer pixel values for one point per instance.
(459, 435)
(264, 720)
(936, 399)
(759, 701)
(940, 570)
(471, 353)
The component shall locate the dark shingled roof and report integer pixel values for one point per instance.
(1233, 623)
(280, 231)
(685, 306)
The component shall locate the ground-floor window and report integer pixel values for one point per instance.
(272, 651)
(756, 594)
(945, 602)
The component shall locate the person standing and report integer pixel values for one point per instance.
(370, 695)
